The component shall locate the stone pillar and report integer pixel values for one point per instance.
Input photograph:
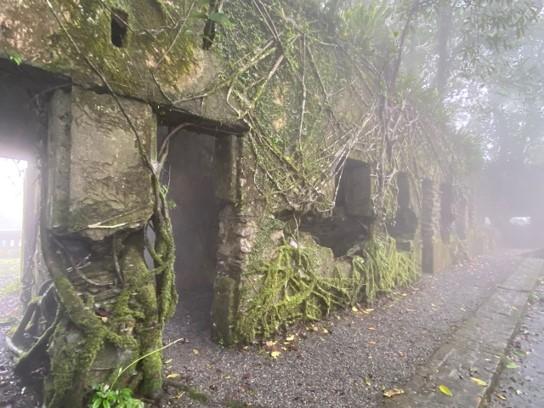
(97, 201)
(32, 270)
(234, 237)
(405, 226)
(427, 226)
(447, 213)
(462, 216)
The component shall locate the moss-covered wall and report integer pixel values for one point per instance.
(308, 102)
(161, 62)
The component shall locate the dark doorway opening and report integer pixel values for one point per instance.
(119, 28)
(24, 100)
(24, 96)
(190, 177)
(352, 218)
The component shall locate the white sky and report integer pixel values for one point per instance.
(11, 193)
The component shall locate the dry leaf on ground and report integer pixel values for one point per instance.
(445, 390)
(393, 392)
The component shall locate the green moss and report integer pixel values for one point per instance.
(296, 286)
(223, 310)
(290, 289)
(383, 268)
(135, 326)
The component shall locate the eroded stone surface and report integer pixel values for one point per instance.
(96, 155)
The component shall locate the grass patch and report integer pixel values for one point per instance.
(9, 266)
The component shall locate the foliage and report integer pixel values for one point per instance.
(383, 268)
(311, 97)
(106, 397)
(16, 58)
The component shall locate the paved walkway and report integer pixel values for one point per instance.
(460, 374)
(521, 383)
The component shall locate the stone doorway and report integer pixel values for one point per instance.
(190, 176)
(24, 100)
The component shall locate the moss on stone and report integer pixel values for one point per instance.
(303, 282)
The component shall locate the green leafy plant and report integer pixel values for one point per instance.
(106, 397)
(16, 58)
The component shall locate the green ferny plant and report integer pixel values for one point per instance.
(107, 396)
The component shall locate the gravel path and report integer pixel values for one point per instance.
(521, 382)
(346, 361)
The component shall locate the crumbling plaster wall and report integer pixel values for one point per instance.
(95, 166)
(99, 198)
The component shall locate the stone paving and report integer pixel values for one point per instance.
(461, 373)
(521, 382)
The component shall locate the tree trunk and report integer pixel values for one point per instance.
(445, 16)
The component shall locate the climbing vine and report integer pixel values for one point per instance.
(310, 101)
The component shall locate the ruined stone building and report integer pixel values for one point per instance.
(176, 146)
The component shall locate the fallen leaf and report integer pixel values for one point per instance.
(511, 364)
(502, 397)
(478, 381)
(445, 390)
(173, 375)
(325, 331)
(275, 354)
(290, 338)
(372, 328)
(196, 352)
(354, 309)
(393, 392)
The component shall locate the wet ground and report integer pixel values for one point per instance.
(12, 393)
(521, 383)
(345, 362)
